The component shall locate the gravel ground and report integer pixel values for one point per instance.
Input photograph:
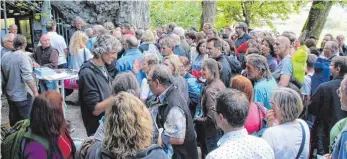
(73, 114)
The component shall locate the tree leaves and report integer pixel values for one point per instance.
(183, 13)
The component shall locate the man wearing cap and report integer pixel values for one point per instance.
(242, 35)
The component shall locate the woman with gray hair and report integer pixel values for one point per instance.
(124, 82)
(147, 44)
(210, 72)
(258, 71)
(291, 137)
(95, 81)
(148, 61)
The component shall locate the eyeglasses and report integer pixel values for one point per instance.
(338, 92)
(149, 80)
(214, 109)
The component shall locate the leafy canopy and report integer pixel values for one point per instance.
(255, 12)
(184, 13)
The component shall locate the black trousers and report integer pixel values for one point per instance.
(20, 110)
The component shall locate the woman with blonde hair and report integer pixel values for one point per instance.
(78, 51)
(147, 44)
(176, 66)
(128, 131)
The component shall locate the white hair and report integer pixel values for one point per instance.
(179, 31)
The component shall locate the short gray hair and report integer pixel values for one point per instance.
(334, 46)
(212, 66)
(163, 74)
(109, 26)
(311, 60)
(167, 42)
(98, 29)
(147, 36)
(131, 42)
(106, 43)
(50, 24)
(125, 82)
(7, 37)
(78, 18)
(234, 106)
(243, 26)
(260, 62)
(152, 59)
(19, 42)
(179, 31)
(12, 25)
(288, 102)
(89, 32)
(176, 38)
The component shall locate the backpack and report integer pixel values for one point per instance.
(152, 49)
(299, 63)
(14, 141)
(235, 65)
(263, 122)
(321, 73)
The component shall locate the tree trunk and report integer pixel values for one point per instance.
(246, 12)
(209, 12)
(98, 12)
(316, 18)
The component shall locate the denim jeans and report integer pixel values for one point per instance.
(20, 110)
(211, 142)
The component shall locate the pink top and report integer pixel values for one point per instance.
(253, 120)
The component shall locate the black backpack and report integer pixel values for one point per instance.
(235, 66)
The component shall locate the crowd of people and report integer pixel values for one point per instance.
(165, 93)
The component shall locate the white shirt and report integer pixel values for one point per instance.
(238, 144)
(58, 42)
(285, 140)
(78, 59)
(145, 90)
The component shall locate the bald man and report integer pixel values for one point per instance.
(284, 70)
(331, 49)
(46, 56)
(13, 29)
(132, 53)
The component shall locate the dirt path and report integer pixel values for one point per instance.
(73, 114)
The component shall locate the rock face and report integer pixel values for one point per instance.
(99, 12)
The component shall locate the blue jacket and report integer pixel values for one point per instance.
(179, 51)
(245, 37)
(90, 43)
(125, 63)
(194, 88)
(339, 150)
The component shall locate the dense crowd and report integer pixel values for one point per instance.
(164, 93)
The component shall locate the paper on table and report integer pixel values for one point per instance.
(57, 76)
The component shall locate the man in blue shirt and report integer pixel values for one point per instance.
(258, 71)
(97, 31)
(242, 35)
(132, 53)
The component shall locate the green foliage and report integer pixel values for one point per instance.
(184, 13)
(257, 12)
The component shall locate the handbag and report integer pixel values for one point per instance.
(263, 122)
(302, 141)
(73, 83)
